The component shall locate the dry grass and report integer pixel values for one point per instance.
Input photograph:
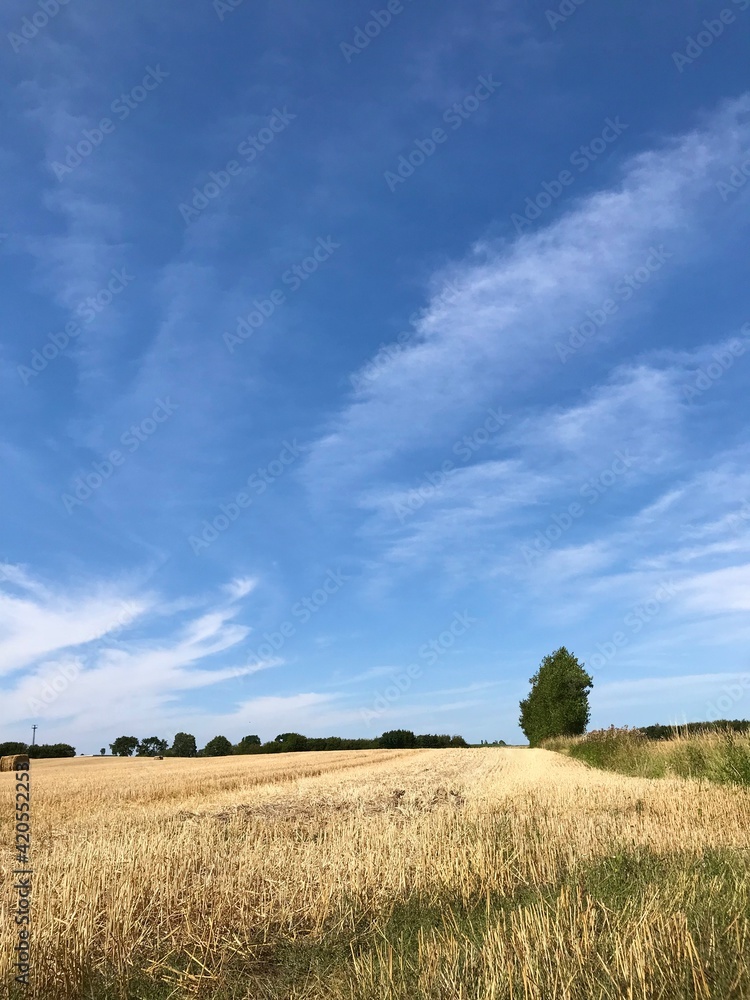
(493, 873)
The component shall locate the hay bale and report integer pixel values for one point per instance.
(16, 762)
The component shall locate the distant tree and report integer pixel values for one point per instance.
(558, 702)
(659, 732)
(398, 739)
(103, 751)
(152, 746)
(321, 743)
(219, 746)
(124, 746)
(432, 741)
(10, 749)
(291, 742)
(458, 741)
(248, 744)
(184, 745)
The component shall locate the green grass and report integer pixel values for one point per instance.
(722, 757)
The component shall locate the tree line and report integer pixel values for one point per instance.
(184, 744)
(11, 748)
(659, 732)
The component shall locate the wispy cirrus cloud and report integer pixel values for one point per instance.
(36, 621)
(494, 337)
(121, 654)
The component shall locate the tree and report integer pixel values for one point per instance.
(291, 742)
(219, 746)
(11, 749)
(124, 746)
(184, 745)
(558, 702)
(103, 751)
(152, 746)
(248, 744)
(398, 739)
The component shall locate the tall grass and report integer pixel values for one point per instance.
(723, 757)
(489, 874)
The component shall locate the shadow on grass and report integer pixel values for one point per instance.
(709, 889)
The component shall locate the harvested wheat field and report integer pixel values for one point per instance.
(485, 873)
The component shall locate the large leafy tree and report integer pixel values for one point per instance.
(124, 746)
(152, 746)
(184, 745)
(248, 744)
(219, 746)
(558, 702)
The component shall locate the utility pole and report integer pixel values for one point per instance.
(33, 734)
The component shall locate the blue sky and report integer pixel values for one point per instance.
(351, 362)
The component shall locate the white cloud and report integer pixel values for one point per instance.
(44, 622)
(240, 587)
(70, 677)
(721, 591)
(497, 332)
